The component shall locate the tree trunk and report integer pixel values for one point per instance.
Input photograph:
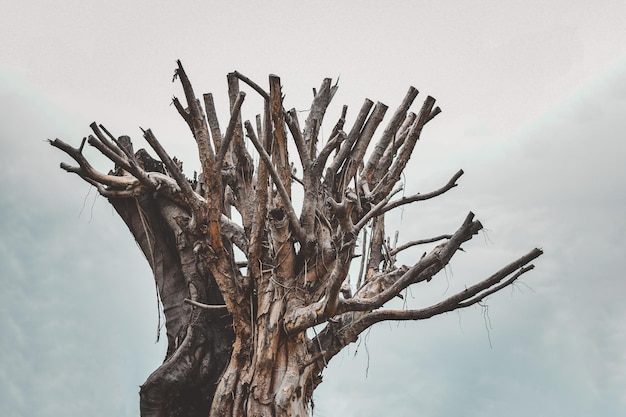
(199, 340)
(267, 375)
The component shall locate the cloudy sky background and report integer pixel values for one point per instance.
(533, 95)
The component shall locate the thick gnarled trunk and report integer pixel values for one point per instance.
(199, 340)
(239, 299)
(263, 372)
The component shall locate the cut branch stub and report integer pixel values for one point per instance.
(280, 153)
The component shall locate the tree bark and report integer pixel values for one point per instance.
(199, 341)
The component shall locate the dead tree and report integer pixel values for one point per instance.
(245, 270)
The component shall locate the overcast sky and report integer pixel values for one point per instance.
(533, 95)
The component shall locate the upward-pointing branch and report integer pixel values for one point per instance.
(188, 193)
(293, 218)
(426, 114)
(280, 153)
(387, 136)
(230, 130)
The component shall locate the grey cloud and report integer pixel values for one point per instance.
(72, 285)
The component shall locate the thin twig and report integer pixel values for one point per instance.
(421, 197)
(412, 243)
(214, 307)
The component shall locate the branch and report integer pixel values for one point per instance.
(211, 116)
(197, 124)
(112, 146)
(316, 115)
(337, 136)
(293, 124)
(377, 210)
(334, 337)
(465, 298)
(280, 153)
(382, 168)
(407, 245)
(293, 218)
(127, 149)
(109, 153)
(421, 197)
(337, 277)
(426, 114)
(212, 175)
(206, 306)
(252, 84)
(243, 158)
(260, 214)
(346, 146)
(188, 193)
(120, 155)
(302, 318)
(389, 133)
(360, 147)
(195, 111)
(230, 130)
(234, 233)
(423, 270)
(183, 112)
(478, 298)
(343, 212)
(375, 249)
(103, 191)
(87, 171)
(363, 257)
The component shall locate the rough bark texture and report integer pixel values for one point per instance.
(240, 298)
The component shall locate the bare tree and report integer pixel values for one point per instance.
(246, 272)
